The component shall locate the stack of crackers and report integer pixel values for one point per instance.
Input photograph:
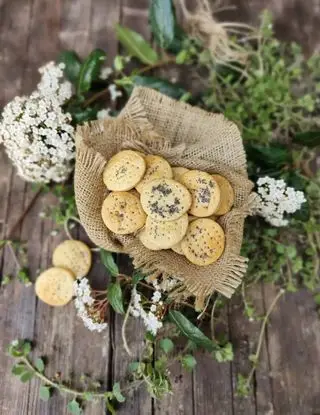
(71, 260)
(166, 207)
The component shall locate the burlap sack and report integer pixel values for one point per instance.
(185, 136)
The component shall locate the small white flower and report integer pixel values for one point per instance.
(54, 232)
(114, 93)
(102, 114)
(275, 199)
(42, 215)
(105, 73)
(15, 343)
(150, 320)
(153, 308)
(156, 297)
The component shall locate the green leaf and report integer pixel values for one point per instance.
(18, 369)
(110, 408)
(308, 139)
(72, 64)
(74, 407)
(188, 362)
(223, 353)
(26, 348)
(81, 115)
(137, 276)
(190, 331)
(39, 364)
(161, 85)
(166, 345)
(133, 366)
(317, 299)
(44, 393)
(115, 297)
(117, 392)
(109, 262)
(162, 21)
(273, 157)
(26, 376)
(90, 70)
(136, 45)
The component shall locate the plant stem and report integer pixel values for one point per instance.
(262, 330)
(67, 389)
(123, 328)
(212, 317)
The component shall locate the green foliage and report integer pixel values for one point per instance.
(109, 262)
(243, 387)
(66, 206)
(72, 64)
(190, 331)
(44, 393)
(162, 20)
(23, 276)
(188, 362)
(136, 46)
(90, 70)
(308, 138)
(39, 364)
(74, 407)
(115, 297)
(117, 392)
(223, 353)
(161, 85)
(166, 345)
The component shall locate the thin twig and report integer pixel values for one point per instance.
(212, 317)
(9, 244)
(123, 328)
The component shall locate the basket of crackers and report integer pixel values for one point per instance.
(167, 184)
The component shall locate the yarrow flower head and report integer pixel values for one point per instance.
(150, 318)
(89, 309)
(275, 199)
(37, 133)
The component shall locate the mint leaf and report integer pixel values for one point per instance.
(109, 262)
(44, 393)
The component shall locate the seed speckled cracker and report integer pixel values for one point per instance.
(157, 168)
(226, 195)
(73, 255)
(55, 286)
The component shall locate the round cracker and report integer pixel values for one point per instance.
(177, 248)
(122, 213)
(165, 235)
(204, 190)
(73, 255)
(55, 286)
(124, 170)
(178, 172)
(204, 242)
(146, 241)
(165, 199)
(226, 195)
(157, 168)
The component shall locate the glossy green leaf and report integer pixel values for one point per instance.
(136, 45)
(90, 70)
(74, 407)
(161, 85)
(109, 262)
(117, 392)
(188, 362)
(308, 139)
(166, 345)
(162, 20)
(44, 393)
(137, 276)
(72, 64)
(39, 364)
(80, 115)
(273, 157)
(190, 331)
(26, 376)
(115, 297)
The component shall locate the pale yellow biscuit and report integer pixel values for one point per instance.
(146, 241)
(204, 190)
(204, 242)
(73, 255)
(122, 213)
(177, 248)
(166, 234)
(178, 172)
(226, 195)
(124, 170)
(165, 199)
(55, 286)
(157, 168)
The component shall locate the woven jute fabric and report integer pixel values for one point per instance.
(185, 136)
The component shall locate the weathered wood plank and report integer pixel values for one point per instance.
(294, 350)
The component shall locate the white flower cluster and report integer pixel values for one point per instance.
(36, 133)
(150, 319)
(275, 199)
(166, 284)
(83, 302)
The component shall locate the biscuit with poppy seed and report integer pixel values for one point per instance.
(124, 171)
(73, 255)
(156, 168)
(55, 286)
(122, 213)
(204, 242)
(204, 190)
(165, 199)
(166, 234)
(178, 172)
(226, 195)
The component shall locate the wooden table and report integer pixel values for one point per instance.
(287, 381)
